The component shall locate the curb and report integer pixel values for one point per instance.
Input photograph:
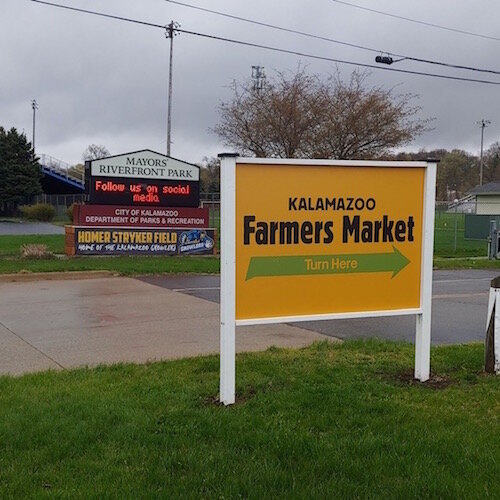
(57, 275)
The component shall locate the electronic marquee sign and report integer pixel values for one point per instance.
(142, 178)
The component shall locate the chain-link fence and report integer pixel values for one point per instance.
(60, 201)
(462, 232)
(214, 213)
(459, 230)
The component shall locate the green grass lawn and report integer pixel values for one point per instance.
(10, 244)
(10, 262)
(466, 263)
(329, 421)
(123, 265)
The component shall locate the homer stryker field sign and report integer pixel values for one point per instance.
(304, 240)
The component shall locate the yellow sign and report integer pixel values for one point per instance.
(326, 239)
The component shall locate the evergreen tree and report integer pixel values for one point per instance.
(19, 169)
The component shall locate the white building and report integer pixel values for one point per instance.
(487, 198)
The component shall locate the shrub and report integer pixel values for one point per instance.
(33, 251)
(69, 212)
(41, 211)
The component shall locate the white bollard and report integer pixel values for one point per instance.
(492, 342)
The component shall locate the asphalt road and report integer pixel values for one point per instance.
(29, 228)
(459, 308)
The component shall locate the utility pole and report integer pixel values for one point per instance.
(484, 123)
(34, 106)
(170, 33)
(259, 77)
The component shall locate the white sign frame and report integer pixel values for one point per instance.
(494, 316)
(228, 320)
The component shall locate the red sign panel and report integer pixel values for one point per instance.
(155, 217)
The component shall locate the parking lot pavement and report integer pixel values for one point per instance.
(13, 228)
(68, 323)
(459, 308)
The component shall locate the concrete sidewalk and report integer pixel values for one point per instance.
(70, 323)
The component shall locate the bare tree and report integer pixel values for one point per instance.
(210, 175)
(95, 152)
(457, 173)
(492, 163)
(304, 116)
(273, 121)
(77, 171)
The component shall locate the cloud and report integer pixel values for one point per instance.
(103, 81)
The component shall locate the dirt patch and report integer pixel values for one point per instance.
(241, 398)
(434, 382)
(25, 275)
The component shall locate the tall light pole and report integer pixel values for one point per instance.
(34, 106)
(484, 123)
(170, 33)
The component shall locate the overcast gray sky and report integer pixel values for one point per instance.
(104, 81)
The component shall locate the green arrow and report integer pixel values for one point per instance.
(298, 265)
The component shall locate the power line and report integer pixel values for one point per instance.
(332, 40)
(275, 49)
(119, 18)
(339, 61)
(273, 26)
(432, 25)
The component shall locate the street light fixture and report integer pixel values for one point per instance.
(34, 106)
(484, 123)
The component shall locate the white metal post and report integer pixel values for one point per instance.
(228, 279)
(496, 333)
(491, 305)
(423, 327)
(492, 342)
